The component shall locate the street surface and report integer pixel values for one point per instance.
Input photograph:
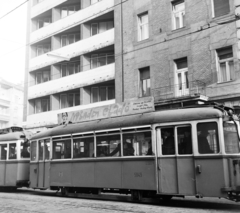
(29, 201)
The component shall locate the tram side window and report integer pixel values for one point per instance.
(231, 137)
(108, 145)
(47, 149)
(3, 152)
(168, 144)
(40, 149)
(62, 149)
(184, 138)
(33, 150)
(83, 147)
(12, 151)
(137, 144)
(25, 149)
(207, 138)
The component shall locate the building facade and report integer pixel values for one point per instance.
(88, 53)
(11, 104)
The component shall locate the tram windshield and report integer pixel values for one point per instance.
(231, 137)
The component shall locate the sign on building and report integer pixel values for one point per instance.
(114, 110)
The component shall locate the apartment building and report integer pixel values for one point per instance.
(11, 104)
(89, 53)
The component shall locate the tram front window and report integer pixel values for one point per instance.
(83, 147)
(12, 151)
(231, 138)
(3, 152)
(208, 142)
(62, 149)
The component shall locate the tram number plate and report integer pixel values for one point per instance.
(137, 174)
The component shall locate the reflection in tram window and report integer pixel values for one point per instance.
(12, 151)
(33, 150)
(168, 144)
(207, 138)
(184, 138)
(138, 144)
(108, 145)
(25, 149)
(83, 147)
(3, 152)
(62, 149)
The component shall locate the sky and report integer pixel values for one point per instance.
(13, 40)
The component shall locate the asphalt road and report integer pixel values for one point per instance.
(29, 201)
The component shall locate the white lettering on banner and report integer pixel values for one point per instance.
(113, 110)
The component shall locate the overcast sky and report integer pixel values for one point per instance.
(12, 40)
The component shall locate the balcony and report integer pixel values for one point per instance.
(82, 79)
(50, 118)
(73, 20)
(76, 49)
(179, 91)
(44, 6)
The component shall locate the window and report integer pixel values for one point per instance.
(69, 100)
(83, 147)
(3, 151)
(143, 31)
(43, 22)
(42, 49)
(102, 93)
(178, 13)
(70, 68)
(12, 151)
(98, 60)
(42, 77)
(62, 149)
(101, 27)
(184, 137)
(220, 7)
(109, 145)
(66, 11)
(69, 39)
(168, 143)
(42, 105)
(145, 82)
(207, 138)
(225, 66)
(25, 149)
(182, 83)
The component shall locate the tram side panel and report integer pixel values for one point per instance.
(2, 173)
(11, 173)
(23, 173)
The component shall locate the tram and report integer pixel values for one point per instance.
(179, 152)
(14, 158)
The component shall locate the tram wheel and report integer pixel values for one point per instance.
(137, 195)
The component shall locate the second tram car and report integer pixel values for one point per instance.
(14, 158)
(182, 152)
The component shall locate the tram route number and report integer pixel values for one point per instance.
(138, 174)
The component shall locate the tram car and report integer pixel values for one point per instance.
(14, 158)
(180, 152)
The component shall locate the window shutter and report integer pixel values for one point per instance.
(221, 7)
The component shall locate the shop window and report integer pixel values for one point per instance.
(220, 7)
(83, 147)
(178, 14)
(225, 64)
(143, 27)
(208, 142)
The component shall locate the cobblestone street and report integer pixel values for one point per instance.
(46, 201)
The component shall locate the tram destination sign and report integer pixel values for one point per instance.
(114, 110)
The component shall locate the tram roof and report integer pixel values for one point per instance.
(12, 136)
(165, 116)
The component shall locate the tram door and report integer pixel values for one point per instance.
(3, 157)
(175, 163)
(44, 163)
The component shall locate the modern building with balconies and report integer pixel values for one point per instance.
(11, 104)
(90, 53)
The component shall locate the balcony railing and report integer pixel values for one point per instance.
(188, 89)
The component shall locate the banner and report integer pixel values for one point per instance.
(114, 110)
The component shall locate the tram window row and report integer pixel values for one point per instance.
(134, 142)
